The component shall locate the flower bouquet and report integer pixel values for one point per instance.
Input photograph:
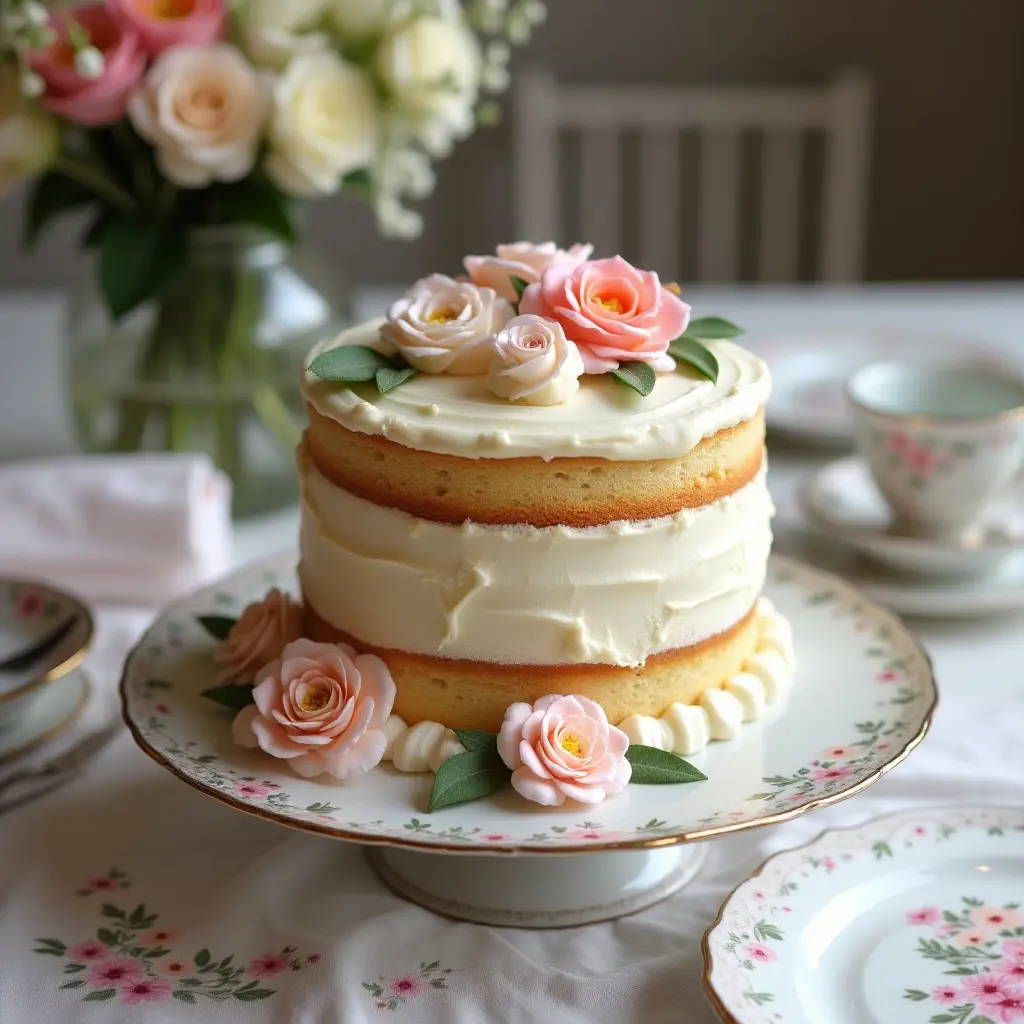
(191, 130)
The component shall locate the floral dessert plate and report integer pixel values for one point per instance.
(842, 501)
(915, 918)
(881, 695)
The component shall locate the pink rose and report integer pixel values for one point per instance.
(90, 101)
(258, 637)
(614, 312)
(162, 24)
(322, 707)
(523, 260)
(563, 747)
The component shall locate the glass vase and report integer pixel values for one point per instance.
(212, 366)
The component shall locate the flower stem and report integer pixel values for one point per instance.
(94, 180)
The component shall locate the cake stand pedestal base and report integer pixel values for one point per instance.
(539, 891)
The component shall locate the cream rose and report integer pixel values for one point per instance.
(534, 363)
(29, 139)
(446, 326)
(358, 19)
(274, 31)
(203, 108)
(324, 124)
(258, 637)
(523, 260)
(431, 67)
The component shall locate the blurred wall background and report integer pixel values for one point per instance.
(947, 197)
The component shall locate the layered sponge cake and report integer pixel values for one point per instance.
(610, 544)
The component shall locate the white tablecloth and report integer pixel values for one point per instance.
(219, 884)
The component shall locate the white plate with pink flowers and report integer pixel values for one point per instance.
(815, 751)
(915, 917)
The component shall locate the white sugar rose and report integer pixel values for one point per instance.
(522, 259)
(431, 67)
(358, 19)
(203, 108)
(446, 326)
(534, 363)
(272, 31)
(324, 124)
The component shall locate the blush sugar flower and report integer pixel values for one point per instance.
(322, 707)
(259, 636)
(612, 311)
(563, 747)
(523, 260)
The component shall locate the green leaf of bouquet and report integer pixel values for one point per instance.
(139, 259)
(388, 377)
(639, 376)
(476, 739)
(349, 363)
(258, 203)
(654, 767)
(218, 626)
(712, 328)
(52, 195)
(696, 354)
(520, 286)
(466, 777)
(232, 695)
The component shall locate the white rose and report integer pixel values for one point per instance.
(203, 108)
(431, 66)
(446, 326)
(29, 139)
(274, 31)
(533, 362)
(522, 259)
(324, 124)
(359, 19)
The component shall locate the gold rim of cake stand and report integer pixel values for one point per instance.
(695, 836)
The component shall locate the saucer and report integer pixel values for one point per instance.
(54, 708)
(843, 502)
(913, 918)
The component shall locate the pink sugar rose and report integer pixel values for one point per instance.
(320, 706)
(523, 260)
(563, 747)
(90, 101)
(162, 24)
(258, 637)
(612, 311)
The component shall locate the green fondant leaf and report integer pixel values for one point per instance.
(232, 695)
(639, 376)
(466, 777)
(712, 328)
(350, 363)
(654, 767)
(519, 284)
(695, 353)
(387, 377)
(218, 626)
(475, 739)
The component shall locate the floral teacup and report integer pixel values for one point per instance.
(941, 441)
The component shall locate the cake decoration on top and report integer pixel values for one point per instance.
(592, 317)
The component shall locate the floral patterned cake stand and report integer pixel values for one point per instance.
(915, 917)
(863, 699)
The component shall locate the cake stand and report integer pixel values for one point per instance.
(863, 699)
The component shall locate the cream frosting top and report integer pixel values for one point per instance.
(458, 415)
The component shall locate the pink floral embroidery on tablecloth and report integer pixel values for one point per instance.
(132, 960)
(389, 993)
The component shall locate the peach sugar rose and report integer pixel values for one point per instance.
(258, 637)
(523, 260)
(612, 311)
(563, 747)
(322, 707)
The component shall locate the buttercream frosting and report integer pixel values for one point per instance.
(612, 594)
(683, 729)
(604, 419)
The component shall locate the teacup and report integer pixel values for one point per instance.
(941, 441)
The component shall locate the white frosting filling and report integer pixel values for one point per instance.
(603, 419)
(683, 729)
(610, 594)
